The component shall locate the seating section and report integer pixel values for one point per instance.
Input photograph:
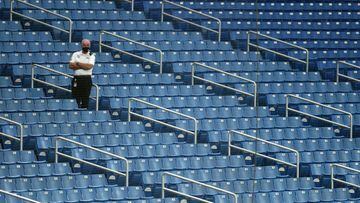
(154, 140)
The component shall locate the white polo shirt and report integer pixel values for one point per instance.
(83, 58)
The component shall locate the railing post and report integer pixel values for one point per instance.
(56, 151)
(11, 9)
(132, 5)
(161, 62)
(229, 143)
(162, 11)
(286, 106)
(219, 37)
(351, 126)
(100, 41)
(248, 41)
(192, 73)
(307, 60)
(162, 187)
(97, 97)
(332, 176)
(337, 71)
(129, 110)
(32, 75)
(70, 31)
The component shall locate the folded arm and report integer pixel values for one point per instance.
(78, 65)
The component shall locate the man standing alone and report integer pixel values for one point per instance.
(82, 63)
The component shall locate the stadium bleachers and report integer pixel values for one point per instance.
(328, 29)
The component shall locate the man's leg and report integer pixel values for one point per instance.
(75, 91)
(86, 90)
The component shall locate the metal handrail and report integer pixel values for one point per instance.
(163, 188)
(276, 52)
(195, 132)
(33, 79)
(21, 139)
(57, 153)
(19, 196)
(128, 53)
(187, 21)
(338, 74)
(132, 4)
(297, 166)
(287, 108)
(339, 180)
(193, 76)
(41, 22)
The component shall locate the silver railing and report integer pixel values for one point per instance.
(195, 132)
(33, 80)
(338, 74)
(163, 188)
(20, 138)
(287, 108)
(193, 77)
(41, 22)
(306, 62)
(297, 166)
(57, 154)
(187, 21)
(160, 63)
(19, 196)
(132, 4)
(332, 166)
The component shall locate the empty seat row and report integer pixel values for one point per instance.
(35, 170)
(39, 36)
(318, 110)
(270, 15)
(46, 58)
(119, 79)
(162, 163)
(301, 35)
(66, 129)
(322, 157)
(265, 77)
(328, 54)
(92, 14)
(178, 102)
(216, 175)
(263, 6)
(234, 66)
(28, 105)
(297, 87)
(116, 25)
(19, 93)
(68, 4)
(101, 194)
(146, 36)
(142, 151)
(279, 134)
(112, 140)
(330, 97)
(316, 44)
(308, 145)
(58, 117)
(284, 25)
(151, 91)
(24, 47)
(10, 26)
(19, 71)
(189, 56)
(202, 113)
(345, 119)
(240, 123)
(315, 195)
(176, 45)
(324, 169)
(66, 182)
(17, 157)
(256, 186)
